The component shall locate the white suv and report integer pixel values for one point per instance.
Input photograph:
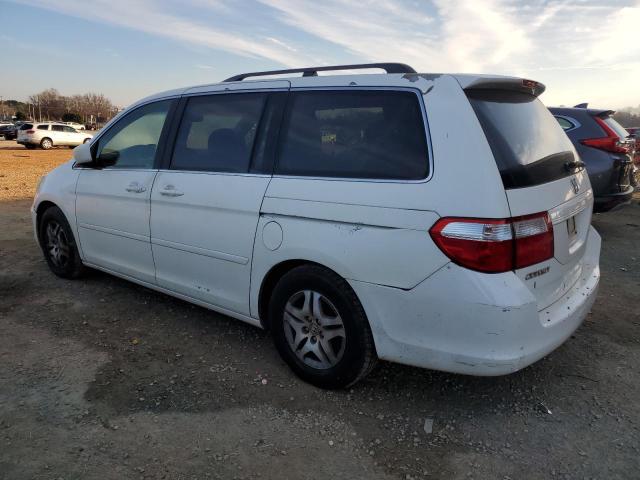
(50, 134)
(441, 221)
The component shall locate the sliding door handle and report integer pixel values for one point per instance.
(135, 187)
(170, 191)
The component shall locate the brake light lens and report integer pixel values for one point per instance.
(495, 245)
(30, 132)
(610, 143)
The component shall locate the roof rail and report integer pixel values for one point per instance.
(313, 71)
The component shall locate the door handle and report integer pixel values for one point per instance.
(135, 187)
(170, 191)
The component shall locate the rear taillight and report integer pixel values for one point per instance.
(610, 143)
(495, 246)
(30, 132)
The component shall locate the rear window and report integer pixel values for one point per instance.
(616, 127)
(354, 134)
(528, 144)
(26, 126)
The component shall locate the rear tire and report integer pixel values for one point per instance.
(30, 147)
(46, 143)
(327, 340)
(58, 245)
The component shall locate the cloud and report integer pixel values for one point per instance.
(147, 16)
(576, 47)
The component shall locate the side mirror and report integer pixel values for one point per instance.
(83, 156)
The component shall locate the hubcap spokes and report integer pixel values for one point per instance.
(57, 245)
(314, 329)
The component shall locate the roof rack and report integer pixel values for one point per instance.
(313, 71)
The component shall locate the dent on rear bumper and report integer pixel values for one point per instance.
(466, 322)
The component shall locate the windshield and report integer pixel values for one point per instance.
(528, 144)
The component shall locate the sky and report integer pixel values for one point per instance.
(582, 50)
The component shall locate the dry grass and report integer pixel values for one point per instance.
(20, 169)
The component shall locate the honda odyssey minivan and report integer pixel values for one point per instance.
(441, 221)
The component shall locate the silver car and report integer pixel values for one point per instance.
(48, 134)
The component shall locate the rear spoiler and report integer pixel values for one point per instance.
(604, 113)
(468, 82)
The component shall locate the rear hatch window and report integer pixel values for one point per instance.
(529, 146)
(616, 127)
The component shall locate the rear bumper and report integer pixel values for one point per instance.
(471, 323)
(604, 203)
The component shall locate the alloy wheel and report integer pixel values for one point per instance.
(57, 245)
(314, 329)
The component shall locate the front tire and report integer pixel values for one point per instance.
(58, 244)
(46, 143)
(320, 328)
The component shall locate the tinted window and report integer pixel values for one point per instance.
(354, 134)
(26, 126)
(217, 132)
(527, 143)
(133, 140)
(564, 123)
(43, 127)
(57, 128)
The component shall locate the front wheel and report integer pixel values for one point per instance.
(59, 245)
(320, 328)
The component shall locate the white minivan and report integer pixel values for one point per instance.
(441, 221)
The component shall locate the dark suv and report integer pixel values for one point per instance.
(607, 150)
(8, 132)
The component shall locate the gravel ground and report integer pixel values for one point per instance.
(20, 168)
(103, 379)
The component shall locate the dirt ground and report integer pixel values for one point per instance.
(103, 379)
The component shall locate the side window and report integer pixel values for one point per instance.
(41, 127)
(217, 132)
(564, 123)
(69, 129)
(133, 140)
(57, 128)
(354, 134)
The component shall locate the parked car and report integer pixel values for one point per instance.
(606, 149)
(8, 132)
(74, 125)
(328, 210)
(47, 135)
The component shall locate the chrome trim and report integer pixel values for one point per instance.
(574, 206)
(571, 120)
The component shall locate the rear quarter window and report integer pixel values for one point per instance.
(528, 144)
(375, 134)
